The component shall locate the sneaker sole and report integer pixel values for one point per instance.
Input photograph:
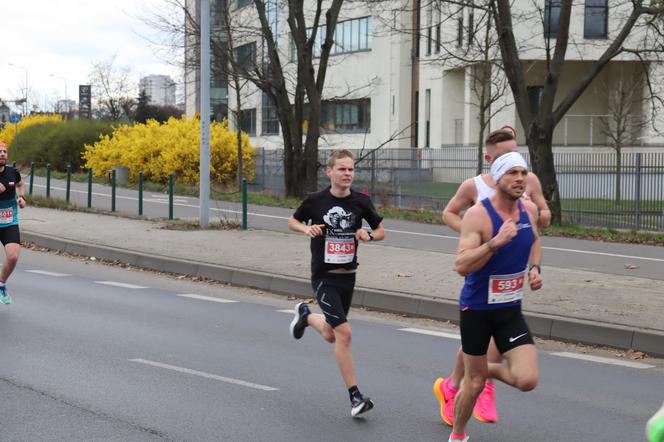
(295, 319)
(366, 406)
(437, 391)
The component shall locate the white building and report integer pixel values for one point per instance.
(159, 88)
(384, 87)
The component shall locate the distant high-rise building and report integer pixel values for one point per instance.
(159, 88)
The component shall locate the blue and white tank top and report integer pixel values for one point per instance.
(500, 282)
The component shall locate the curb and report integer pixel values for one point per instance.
(541, 325)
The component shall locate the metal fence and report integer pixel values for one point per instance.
(595, 189)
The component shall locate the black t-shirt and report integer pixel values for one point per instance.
(9, 178)
(342, 217)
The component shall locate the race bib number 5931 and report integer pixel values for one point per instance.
(339, 250)
(506, 288)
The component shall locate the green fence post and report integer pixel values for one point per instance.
(244, 204)
(113, 190)
(32, 177)
(68, 181)
(140, 193)
(90, 188)
(48, 180)
(170, 196)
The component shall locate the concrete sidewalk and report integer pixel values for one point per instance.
(580, 306)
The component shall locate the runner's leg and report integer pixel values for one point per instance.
(520, 369)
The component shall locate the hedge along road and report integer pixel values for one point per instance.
(614, 258)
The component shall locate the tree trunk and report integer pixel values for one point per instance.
(541, 159)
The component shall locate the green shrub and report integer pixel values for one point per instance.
(58, 144)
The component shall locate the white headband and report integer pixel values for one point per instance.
(505, 162)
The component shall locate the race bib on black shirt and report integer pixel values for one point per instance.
(342, 217)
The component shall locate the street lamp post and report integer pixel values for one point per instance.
(25, 93)
(66, 97)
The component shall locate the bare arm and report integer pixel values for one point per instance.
(311, 231)
(378, 234)
(20, 193)
(473, 252)
(534, 277)
(462, 199)
(534, 189)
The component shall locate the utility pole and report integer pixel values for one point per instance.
(204, 167)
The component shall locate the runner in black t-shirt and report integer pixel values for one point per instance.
(336, 215)
(12, 190)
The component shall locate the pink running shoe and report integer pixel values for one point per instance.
(445, 396)
(485, 407)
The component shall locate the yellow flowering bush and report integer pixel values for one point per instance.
(8, 133)
(173, 147)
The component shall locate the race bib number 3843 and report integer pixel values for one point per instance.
(339, 250)
(506, 288)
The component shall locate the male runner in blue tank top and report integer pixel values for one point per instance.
(498, 246)
(469, 193)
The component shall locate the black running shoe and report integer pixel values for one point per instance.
(299, 322)
(360, 405)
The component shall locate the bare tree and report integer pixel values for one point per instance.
(111, 88)
(638, 35)
(624, 122)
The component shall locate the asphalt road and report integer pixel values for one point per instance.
(91, 351)
(617, 259)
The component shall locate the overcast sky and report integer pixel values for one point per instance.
(64, 37)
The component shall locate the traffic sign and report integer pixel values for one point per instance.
(15, 118)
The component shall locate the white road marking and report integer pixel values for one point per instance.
(439, 334)
(206, 298)
(602, 360)
(289, 311)
(44, 272)
(405, 232)
(120, 284)
(205, 375)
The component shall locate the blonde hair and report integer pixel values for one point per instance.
(337, 155)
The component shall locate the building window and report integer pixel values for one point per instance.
(460, 31)
(471, 27)
(270, 117)
(346, 115)
(437, 45)
(596, 16)
(245, 55)
(429, 39)
(248, 121)
(551, 18)
(242, 3)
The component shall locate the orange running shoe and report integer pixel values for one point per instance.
(445, 396)
(485, 407)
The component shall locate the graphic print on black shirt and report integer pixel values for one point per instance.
(342, 217)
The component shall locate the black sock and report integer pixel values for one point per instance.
(354, 392)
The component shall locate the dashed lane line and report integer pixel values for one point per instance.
(44, 272)
(121, 284)
(205, 375)
(602, 360)
(440, 334)
(206, 298)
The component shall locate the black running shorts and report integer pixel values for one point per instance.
(506, 325)
(10, 234)
(334, 293)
